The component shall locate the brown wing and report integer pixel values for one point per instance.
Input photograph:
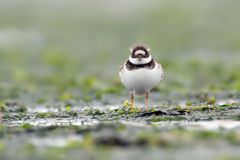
(121, 67)
(160, 66)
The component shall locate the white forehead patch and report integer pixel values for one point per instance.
(140, 52)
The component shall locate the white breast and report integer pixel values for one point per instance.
(141, 80)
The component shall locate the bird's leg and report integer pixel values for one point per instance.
(132, 101)
(146, 101)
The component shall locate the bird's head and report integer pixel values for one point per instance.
(140, 54)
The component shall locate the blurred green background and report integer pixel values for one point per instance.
(62, 45)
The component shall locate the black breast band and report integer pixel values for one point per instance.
(130, 66)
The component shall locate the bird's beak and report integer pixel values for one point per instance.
(139, 57)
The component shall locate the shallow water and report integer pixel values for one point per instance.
(185, 125)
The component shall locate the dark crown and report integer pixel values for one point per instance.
(139, 46)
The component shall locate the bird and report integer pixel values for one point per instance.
(140, 73)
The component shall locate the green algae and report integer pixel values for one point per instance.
(46, 115)
(26, 126)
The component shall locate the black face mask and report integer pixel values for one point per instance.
(146, 55)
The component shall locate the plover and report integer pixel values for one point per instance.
(140, 73)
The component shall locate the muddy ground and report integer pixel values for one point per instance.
(204, 127)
